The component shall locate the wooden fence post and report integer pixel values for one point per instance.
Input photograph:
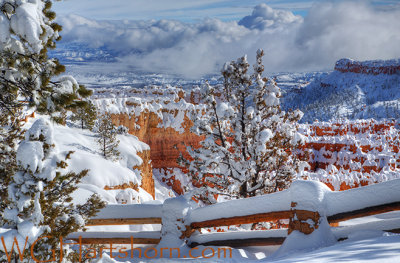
(302, 220)
(308, 225)
(307, 207)
(174, 212)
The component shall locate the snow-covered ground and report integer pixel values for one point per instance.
(384, 248)
(102, 172)
(373, 249)
(365, 241)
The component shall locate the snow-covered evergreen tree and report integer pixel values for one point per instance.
(36, 188)
(122, 130)
(39, 195)
(249, 141)
(27, 31)
(86, 115)
(10, 134)
(107, 140)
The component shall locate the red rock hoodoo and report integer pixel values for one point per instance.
(373, 67)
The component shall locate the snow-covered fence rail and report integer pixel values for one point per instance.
(257, 209)
(367, 211)
(135, 214)
(306, 204)
(365, 201)
(249, 210)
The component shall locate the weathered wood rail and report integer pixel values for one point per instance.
(113, 215)
(124, 221)
(367, 211)
(142, 238)
(340, 206)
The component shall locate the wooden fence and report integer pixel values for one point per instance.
(113, 215)
(288, 204)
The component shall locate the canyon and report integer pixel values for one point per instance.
(343, 154)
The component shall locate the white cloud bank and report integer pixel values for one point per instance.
(330, 31)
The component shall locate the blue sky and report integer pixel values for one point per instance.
(183, 10)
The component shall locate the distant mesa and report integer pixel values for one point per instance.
(371, 67)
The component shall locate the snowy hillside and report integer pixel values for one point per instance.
(112, 180)
(364, 90)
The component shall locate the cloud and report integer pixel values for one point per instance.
(330, 31)
(264, 17)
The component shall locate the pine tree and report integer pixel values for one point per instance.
(250, 143)
(86, 114)
(34, 194)
(26, 71)
(39, 194)
(107, 134)
(10, 134)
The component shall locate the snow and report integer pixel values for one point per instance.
(67, 84)
(297, 241)
(231, 235)
(130, 211)
(366, 228)
(28, 229)
(336, 95)
(4, 29)
(279, 201)
(109, 234)
(27, 23)
(127, 196)
(102, 173)
(8, 236)
(25, 231)
(165, 102)
(309, 195)
(358, 198)
(83, 193)
(30, 155)
(373, 250)
(40, 127)
(174, 210)
(86, 155)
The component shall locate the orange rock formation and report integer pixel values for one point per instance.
(166, 144)
(327, 141)
(368, 67)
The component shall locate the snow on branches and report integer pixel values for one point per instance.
(27, 31)
(250, 143)
(39, 201)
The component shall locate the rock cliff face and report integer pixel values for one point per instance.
(165, 143)
(373, 67)
(147, 173)
(160, 118)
